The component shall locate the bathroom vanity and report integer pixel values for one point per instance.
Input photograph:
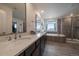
(36, 48)
(29, 45)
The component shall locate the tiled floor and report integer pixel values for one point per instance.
(61, 49)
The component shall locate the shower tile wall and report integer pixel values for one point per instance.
(75, 23)
(59, 26)
(66, 26)
(70, 27)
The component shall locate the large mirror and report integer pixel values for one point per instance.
(12, 18)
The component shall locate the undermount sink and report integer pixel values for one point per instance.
(25, 37)
(18, 39)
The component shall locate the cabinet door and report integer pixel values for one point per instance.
(36, 52)
(42, 45)
(43, 42)
(37, 43)
(30, 50)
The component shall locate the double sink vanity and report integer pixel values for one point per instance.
(28, 45)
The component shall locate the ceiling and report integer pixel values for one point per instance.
(50, 9)
(55, 9)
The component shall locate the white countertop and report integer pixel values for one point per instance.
(56, 35)
(15, 47)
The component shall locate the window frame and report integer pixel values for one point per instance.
(46, 24)
(37, 18)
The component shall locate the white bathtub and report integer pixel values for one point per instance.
(56, 37)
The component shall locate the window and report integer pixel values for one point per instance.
(38, 25)
(51, 26)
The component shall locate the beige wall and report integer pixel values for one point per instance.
(30, 15)
(5, 19)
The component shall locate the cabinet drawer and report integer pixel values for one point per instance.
(29, 51)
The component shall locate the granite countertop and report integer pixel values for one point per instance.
(15, 47)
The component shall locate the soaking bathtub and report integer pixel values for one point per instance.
(56, 37)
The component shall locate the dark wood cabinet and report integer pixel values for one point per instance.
(36, 49)
(38, 42)
(29, 50)
(43, 42)
(36, 52)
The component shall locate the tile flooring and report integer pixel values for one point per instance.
(61, 49)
